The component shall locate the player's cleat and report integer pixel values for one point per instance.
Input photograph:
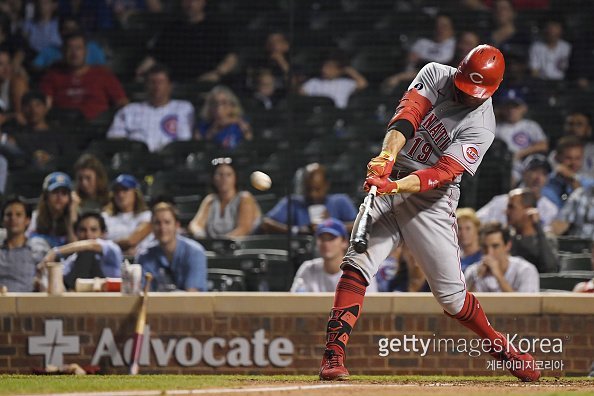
(332, 367)
(520, 364)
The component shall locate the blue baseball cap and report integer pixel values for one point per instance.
(56, 180)
(512, 96)
(332, 226)
(126, 181)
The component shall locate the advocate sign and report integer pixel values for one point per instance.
(254, 351)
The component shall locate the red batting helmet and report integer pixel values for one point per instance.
(480, 72)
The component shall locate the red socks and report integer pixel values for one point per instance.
(473, 317)
(348, 301)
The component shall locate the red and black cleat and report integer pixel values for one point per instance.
(520, 364)
(332, 367)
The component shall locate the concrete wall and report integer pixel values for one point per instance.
(284, 333)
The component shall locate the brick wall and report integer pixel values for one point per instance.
(301, 320)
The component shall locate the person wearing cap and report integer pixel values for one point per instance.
(528, 238)
(522, 136)
(127, 216)
(536, 170)
(322, 273)
(56, 212)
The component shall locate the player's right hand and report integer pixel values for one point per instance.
(385, 185)
(380, 166)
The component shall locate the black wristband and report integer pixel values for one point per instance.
(403, 126)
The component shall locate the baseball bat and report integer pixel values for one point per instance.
(361, 235)
(139, 331)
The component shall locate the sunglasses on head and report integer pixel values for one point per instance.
(221, 161)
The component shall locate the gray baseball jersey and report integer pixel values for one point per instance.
(426, 221)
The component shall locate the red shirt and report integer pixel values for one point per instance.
(92, 92)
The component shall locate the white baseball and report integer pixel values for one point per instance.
(260, 180)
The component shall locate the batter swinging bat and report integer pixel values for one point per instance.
(139, 332)
(361, 236)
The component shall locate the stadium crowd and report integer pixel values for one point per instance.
(160, 111)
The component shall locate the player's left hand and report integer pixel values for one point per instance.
(385, 185)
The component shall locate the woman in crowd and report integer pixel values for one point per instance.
(56, 213)
(92, 192)
(222, 119)
(227, 212)
(127, 217)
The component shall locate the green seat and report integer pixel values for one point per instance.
(565, 280)
(220, 279)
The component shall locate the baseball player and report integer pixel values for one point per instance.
(442, 127)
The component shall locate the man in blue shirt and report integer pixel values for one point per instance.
(176, 262)
(310, 209)
(567, 177)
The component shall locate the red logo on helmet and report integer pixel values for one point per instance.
(471, 153)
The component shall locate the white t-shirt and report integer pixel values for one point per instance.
(338, 89)
(121, 225)
(155, 126)
(518, 136)
(311, 277)
(494, 210)
(521, 275)
(551, 63)
(430, 50)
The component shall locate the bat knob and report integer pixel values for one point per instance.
(360, 246)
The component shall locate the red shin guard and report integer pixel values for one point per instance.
(348, 301)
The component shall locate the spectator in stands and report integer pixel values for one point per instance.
(337, 81)
(467, 40)
(529, 240)
(566, 178)
(91, 255)
(157, 121)
(34, 140)
(468, 237)
(126, 215)
(523, 136)
(18, 254)
(311, 208)
(274, 59)
(576, 217)
(265, 92)
(12, 88)
(92, 191)
(536, 170)
(98, 15)
(56, 213)
(176, 262)
(549, 58)
(504, 33)
(227, 212)
(42, 31)
(222, 119)
(498, 271)
(579, 123)
(441, 48)
(322, 273)
(195, 47)
(76, 85)
(95, 56)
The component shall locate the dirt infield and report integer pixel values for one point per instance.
(161, 385)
